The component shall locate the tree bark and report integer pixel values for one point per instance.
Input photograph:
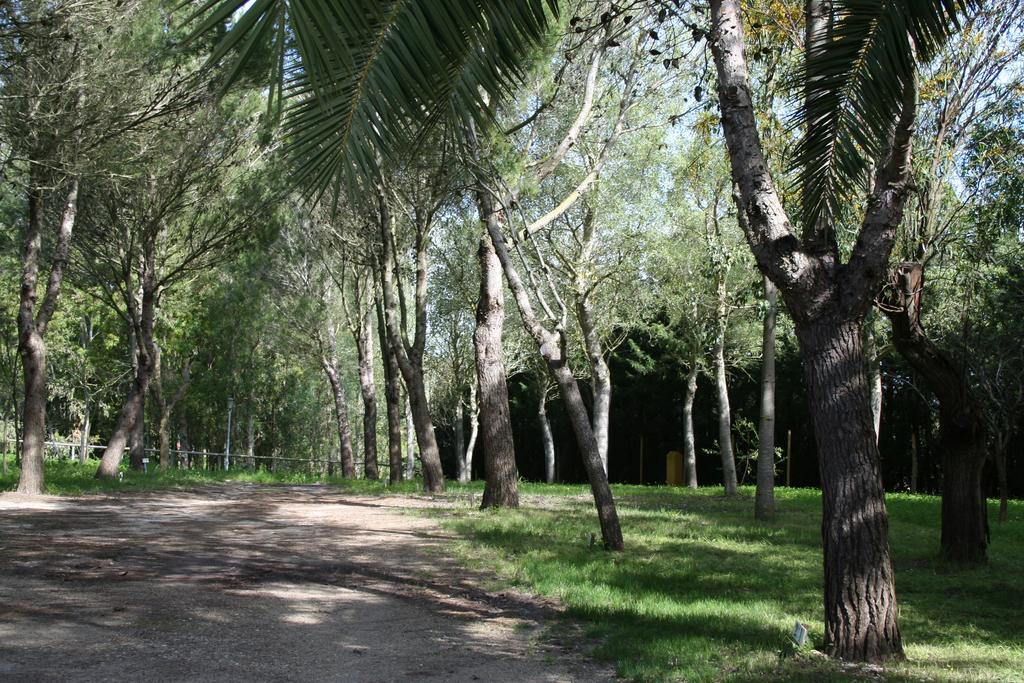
(474, 430)
(460, 441)
(367, 384)
(410, 356)
(410, 440)
(83, 443)
(764, 499)
(32, 327)
(860, 597)
(724, 417)
(392, 398)
(689, 443)
(501, 478)
(874, 379)
(552, 348)
(250, 450)
(546, 436)
(600, 378)
(132, 411)
(828, 301)
(962, 428)
(329, 363)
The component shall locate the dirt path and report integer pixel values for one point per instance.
(244, 582)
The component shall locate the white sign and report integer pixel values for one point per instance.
(799, 634)
(145, 461)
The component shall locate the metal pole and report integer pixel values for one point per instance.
(227, 447)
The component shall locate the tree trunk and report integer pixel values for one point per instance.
(501, 487)
(874, 378)
(860, 597)
(32, 327)
(724, 418)
(410, 440)
(410, 356)
(134, 405)
(392, 397)
(962, 429)
(474, 430)
(689, 443)
(552, 347)
(546, 437)
(764, 499)
(83, 443)
(250, 450)
(600, 378)
(330, 368)
(460, 441)
(828, 300)
(1004, 489)
(368, 388)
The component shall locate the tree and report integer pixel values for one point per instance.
(827, 298)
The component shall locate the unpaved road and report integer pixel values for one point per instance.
(253, 583)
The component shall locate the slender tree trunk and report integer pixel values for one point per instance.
(552, 347)
(410, 440)
(860, 597)
(368, 387)
(392, 397)
(32, 328)
(132, 411)
(410, 357)
(501, 487)
(250, 450)
(474, 430)
(689, 443)
(546, 436)
(1004, 489)
(460, 441)
(874, 379)
(764, 499)
(600, 378)
(724, 418)
(330, 368)
(83, 443)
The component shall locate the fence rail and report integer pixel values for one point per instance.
(67, 450)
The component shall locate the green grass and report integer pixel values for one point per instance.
(703, 592)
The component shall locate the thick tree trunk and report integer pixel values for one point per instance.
(423, 424)
(962, 429)
(724, 418)
(501, 487)
(392, 398)
(689, 443)
(764, 499)
(828, 301)
(860, 597)
(32, 327)
(547, 438)
(330, 368)
(368, 388)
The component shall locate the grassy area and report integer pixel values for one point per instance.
(704, 593)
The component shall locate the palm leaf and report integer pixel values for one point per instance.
(361, 79)
(854, 82)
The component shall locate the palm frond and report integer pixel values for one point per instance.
(853, 83)
(361, 79)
